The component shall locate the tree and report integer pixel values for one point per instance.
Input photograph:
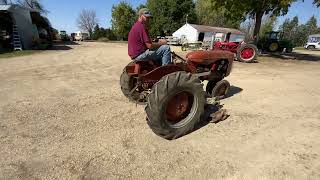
(317, 3)
(299, 33)
(312, 25)
(289, 28)
(87, 20)
(255, 9)
(170, 15)
(100, 32)
(247, 28)
(123, 17)
(207, 14)
(267, 25)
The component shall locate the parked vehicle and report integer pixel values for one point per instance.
(275, 42)
(80, 36)
(244, 52)
(64, 36)
(313, 42)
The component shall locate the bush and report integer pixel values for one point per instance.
(103, 39)
(40, 44)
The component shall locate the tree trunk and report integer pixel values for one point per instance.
(257, 25)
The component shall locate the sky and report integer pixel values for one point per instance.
(63, 13)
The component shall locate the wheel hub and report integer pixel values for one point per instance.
(273, 46)
(247, 53)
(179, 107)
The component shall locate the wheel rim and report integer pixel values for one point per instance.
(247, 53)
(178, 108)
(273, 46)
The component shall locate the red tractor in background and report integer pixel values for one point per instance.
(244, 52)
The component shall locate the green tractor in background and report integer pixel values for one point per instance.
(274, 42)
(64, 36)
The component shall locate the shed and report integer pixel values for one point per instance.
(194, 32)
(13, 14)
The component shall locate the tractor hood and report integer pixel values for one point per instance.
(209, 57)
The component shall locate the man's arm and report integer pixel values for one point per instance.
(156, 45)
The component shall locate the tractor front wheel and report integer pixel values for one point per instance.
(127, 84)
(175, 105)
(247, 53)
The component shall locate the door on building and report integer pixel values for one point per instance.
(6, 31)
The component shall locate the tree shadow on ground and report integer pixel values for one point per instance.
(293, 56)
(63, 45)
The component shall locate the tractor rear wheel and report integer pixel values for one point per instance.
(247, 53)
(273, 47)
(175, 105)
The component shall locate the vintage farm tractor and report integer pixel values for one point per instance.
(244, 52)
(275, 42)
(174, 94)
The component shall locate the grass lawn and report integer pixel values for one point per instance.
(17, 53)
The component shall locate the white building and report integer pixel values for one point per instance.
(194, 33)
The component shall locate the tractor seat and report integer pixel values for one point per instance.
(141, 67)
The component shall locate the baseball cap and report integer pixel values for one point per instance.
(145, 11)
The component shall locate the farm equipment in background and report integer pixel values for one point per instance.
(244, 52)
(234, 43)
(173, 93)
(274, 42)
(64, 36)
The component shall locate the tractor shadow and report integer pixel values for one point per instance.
(64, 46)
(233, 91)
(214, 112)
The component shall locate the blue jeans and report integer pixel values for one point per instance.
(162, 55)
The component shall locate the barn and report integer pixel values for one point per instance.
(194, 33)
(20, 26)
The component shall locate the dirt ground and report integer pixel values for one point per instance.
(63, 116)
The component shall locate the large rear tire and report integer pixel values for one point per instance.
(273, 47)
(175, 105)
(247, 53)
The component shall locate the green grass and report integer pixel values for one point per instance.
(299, 48)
(17, 53)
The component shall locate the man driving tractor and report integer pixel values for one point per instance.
(140, 46)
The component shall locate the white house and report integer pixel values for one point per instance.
(193, 33)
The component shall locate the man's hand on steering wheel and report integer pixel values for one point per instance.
(163, 41)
